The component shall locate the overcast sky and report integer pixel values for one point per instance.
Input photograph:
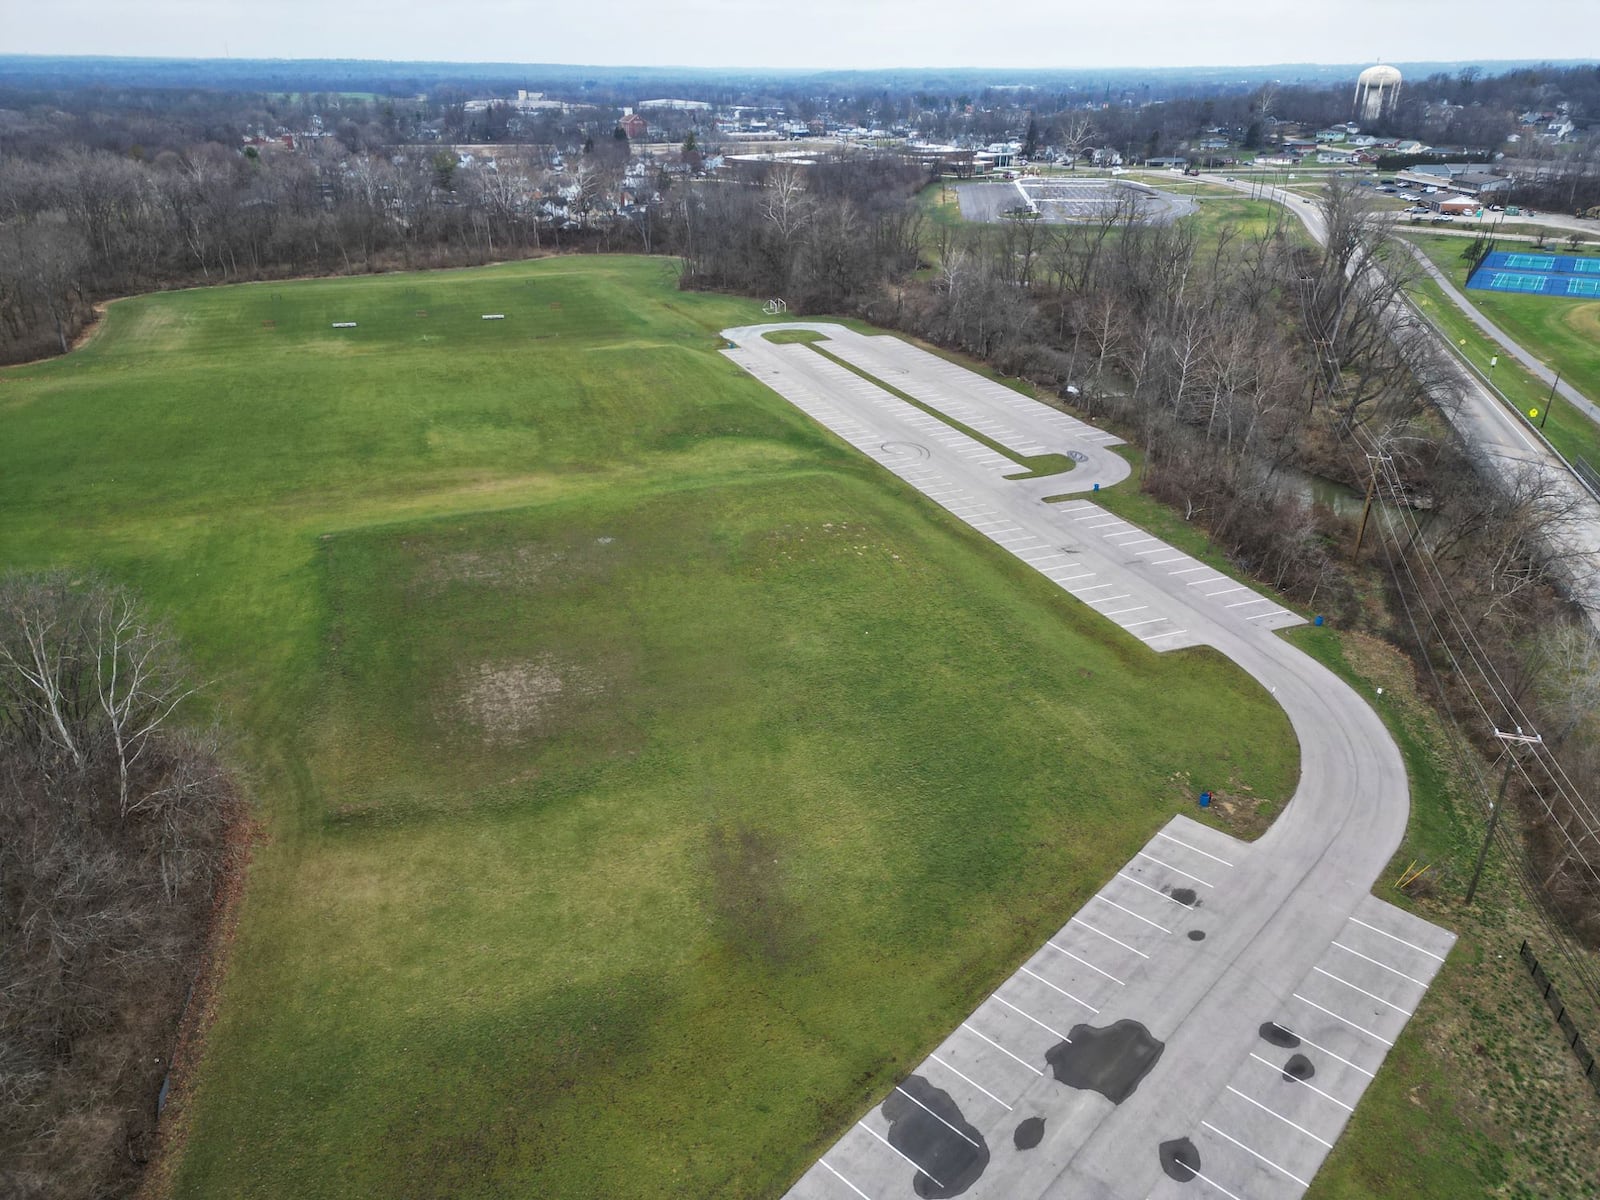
(815, 33)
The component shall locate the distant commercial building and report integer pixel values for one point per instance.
(1377, 93)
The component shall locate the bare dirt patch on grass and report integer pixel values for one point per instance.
(513, 700)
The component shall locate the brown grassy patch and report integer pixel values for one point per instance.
(1584, 320)
(756, 918)
(509, 701)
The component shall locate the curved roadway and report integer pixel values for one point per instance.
(1268, 915)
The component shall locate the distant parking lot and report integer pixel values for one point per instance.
(1063, 201)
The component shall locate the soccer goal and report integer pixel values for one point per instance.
(774, 308)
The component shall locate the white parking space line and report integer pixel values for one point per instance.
(845, 1181)
(937, 1117)
(1199, 582)
(1179, 870)
(1226, 591)
(1343, 1020)
(1190, 570)
(1120, 611)
(1401, 940)
(1085, 962)
(1363, 991)
(1276, 1069)
(1325, 1050)
(1026, 1017)
(1136, 624)
(1109, 599)
(978, 1034)
(1169, 633)
(1206, 1179)
(1196, 849)
(1280, 1116)
(1157, 550)
(1035, 975)
(1243, 603)
(1048, 557)
(1095, 588)
(1275, 612)
(974, 1083)
(907, 1157)
(1133, 914)
(1376, 963)
(1151, 890)
(1242, 1146)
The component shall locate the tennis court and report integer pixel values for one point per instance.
(1538, 275)
(1512, 281)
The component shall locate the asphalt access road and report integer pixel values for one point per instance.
(1499, 437)
(1126, 1056)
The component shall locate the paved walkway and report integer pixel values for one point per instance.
(1217, 1009)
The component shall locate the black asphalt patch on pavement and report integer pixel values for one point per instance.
(1028, 1134)
(1180, 1160)
(926, 1125)
(1278, 1035)
(1197, 935)
(1185, 896)
(1298, 1067)
(1111, 1061)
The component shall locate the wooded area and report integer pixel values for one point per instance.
(112, 822)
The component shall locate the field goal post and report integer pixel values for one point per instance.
(774, 307)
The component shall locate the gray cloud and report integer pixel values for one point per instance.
(820, 33)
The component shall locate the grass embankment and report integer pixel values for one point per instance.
(1479, 1097)
(649, 779)
(1548, 334)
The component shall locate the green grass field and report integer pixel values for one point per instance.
(647, 779)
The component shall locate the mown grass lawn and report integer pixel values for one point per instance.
(648, 780)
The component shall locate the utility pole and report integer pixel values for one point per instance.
(1366, 509)
(1555, 383)
(1510, 740)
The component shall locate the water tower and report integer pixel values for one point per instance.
(1377, 93)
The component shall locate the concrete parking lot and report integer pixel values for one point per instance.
(1206, 1024)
